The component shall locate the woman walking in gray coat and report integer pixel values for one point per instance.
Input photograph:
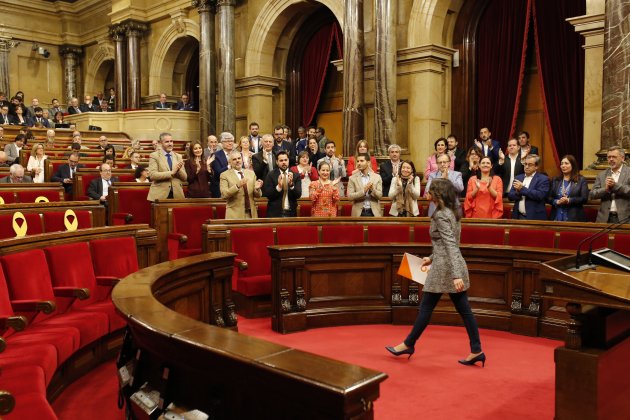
(447, 275)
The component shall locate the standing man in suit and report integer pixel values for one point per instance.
(456, 153)
(264, 161)
(281, 188)
(444, 163)
(65, 172)
(509, 166)
(162, 104)
(388, 169)
(488, 146)
(336, 163)
(255, 140)
(301, 142)
(166, 170)
(365, 189)
(281, 144)
(529, 192)
(612, 186)
(99, 187)
(221, 162)
(320, 133)
(239, 187)
(525, 145)
(16, 176)
(13, 149)
(184, 104)
(212, 147)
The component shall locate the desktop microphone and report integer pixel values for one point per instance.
(591, 239)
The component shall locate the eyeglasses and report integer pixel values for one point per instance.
(106, 170)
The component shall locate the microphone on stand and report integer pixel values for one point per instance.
(591, 239)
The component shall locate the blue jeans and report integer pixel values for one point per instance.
(429, 301)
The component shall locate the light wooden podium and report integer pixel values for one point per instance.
(593, 367)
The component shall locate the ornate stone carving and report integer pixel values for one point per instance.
(300, 299)
(517, 301)
(534, 304)
(7, 43)
(133, 28)
(218, 317)
(396, 294)
(285, 303)
(117, 32)
(414, 294)
(66, 50)
(230, 313)
(205, 5)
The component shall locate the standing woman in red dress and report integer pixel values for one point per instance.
(324, 193)
(484, 195)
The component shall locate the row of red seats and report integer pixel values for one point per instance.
(38, 223)
(30, 195)
(53, 303)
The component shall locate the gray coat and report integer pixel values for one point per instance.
(448, 263)
(620, 193)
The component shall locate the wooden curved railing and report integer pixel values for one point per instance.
(222, 372)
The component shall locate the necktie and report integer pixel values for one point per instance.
(245, 191)
(269, 161)
(170, 161)
(332, 169)
(285, 192)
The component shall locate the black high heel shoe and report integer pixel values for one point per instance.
(478, 358)
(409, 350)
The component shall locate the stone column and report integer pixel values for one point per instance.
(353, 97)
(207, 70)
(385, 76)
(226, 76)
(616, 82)
(71, 55)
(117, 34)
(133, 31)
(5, 46)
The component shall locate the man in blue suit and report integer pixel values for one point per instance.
(220, 163)
(529, 192)
(488, 146)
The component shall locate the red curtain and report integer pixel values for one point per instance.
(560, 60)
(315, 62)
(501, 50)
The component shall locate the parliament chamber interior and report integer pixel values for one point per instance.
(210, 209)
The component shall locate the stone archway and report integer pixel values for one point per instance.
(99, 69)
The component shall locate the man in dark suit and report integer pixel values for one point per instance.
(16, 176)
(5, 118)
(55, 108)
(488, 146)
(388, 169)
(39, 117)
(254, 137)
(184, 104)
(220, 163)
(509, 166)
(87, 105)
(264, 161)
(99, 187)
(74, 107)
(525, 145)
(65, 172)
(529, 192)
(281, 144)
(162, 104)
(281, 188)
(457, 153)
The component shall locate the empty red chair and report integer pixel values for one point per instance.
(346, 210)
(507, 211)
(297, 235)
(30, 195)
(8, 197)
(71, 265)
(219, 211)
(185, 240)
(86, 179)
(421, 233)
(342, 234)
(487, 235)
(113, 259)
(27, 385)
(386, 208)
(55, 221)
(262, 210)
(126, 177)
(252, 274)
(133, 206)
(305, 210)
(570, 240)
(33, 225)
(538, 238)
(622, 243)
(28, 279)
(590, 213)
(388, 233)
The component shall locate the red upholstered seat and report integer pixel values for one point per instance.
(421, 233)
(187, 221)
(28, 279)
(33, 221)
(507, 211)
(8, 197)
(35, 353)
(86, 179)
(219, 211)
(134, 201)
(386, 208)
(71, 265)
(388, 233)
(114, 257)
(251, 246)
(262, 210)
(27, 385)
(342, 234)
(29, 196)
(305, 210)
(622, 243)
(54, 221)
(590, 213)
(297, 235)
(346, 210)
(126, 177)
(482, 235)
(571, 239)
(532, 237)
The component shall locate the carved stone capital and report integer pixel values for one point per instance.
(134, 28)
(70, 51)
(226, 3)
(7, 43)
(117, 32)
(205, 5)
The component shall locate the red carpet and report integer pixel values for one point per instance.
(517, 382)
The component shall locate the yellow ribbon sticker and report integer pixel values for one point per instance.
(1, 200)
(41, 199)
(19, 229)
(70, 220)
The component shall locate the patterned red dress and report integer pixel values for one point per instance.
(324, 198)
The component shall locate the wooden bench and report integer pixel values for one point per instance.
(29, 192)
